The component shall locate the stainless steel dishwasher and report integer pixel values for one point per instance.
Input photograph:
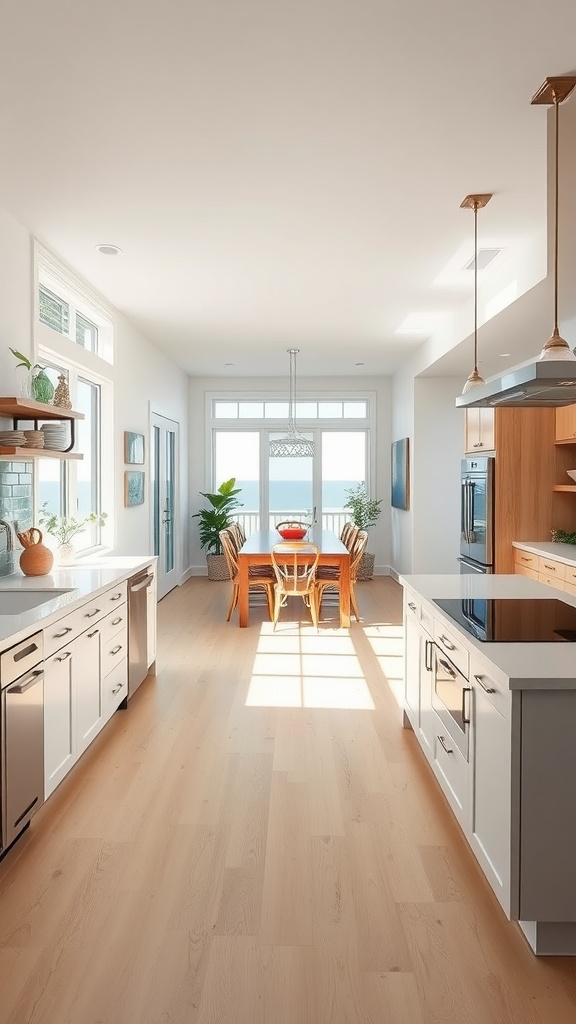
(138, 629)
(22, 735)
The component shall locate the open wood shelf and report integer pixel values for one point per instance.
(25, 454)
(564, 487)
(28, 409)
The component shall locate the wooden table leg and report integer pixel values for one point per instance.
(345, 592)
(243, 590)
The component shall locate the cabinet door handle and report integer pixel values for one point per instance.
(90, 615)
(487, 689)
(62, 657)
(447, 668)
(411, 606)
(116, 649)
(465, 712)
(553, 568)
(478, 444)
(116, 597)
(447, 643)
(93, 634)
(428, 651)
(67, 629)
(524, 558)
(442, 743)
(116, 621)
(117, 688)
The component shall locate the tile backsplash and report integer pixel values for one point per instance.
(15, 511)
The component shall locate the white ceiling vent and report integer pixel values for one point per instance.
(485, 256)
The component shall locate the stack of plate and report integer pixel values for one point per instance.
(12, 439)
(34, 438)
(56, 436)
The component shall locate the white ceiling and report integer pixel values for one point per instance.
(277, 172)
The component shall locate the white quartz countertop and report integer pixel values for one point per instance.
(561, 552)
(81, 581)
(533, 666)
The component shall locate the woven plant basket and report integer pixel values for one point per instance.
(366, 568)
(217, 567)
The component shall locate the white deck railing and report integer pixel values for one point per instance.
(250, 521)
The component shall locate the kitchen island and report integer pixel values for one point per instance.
(495, 719)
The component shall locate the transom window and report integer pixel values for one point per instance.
(247, 410)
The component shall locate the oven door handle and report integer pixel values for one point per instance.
(463, 513)
(466, 705)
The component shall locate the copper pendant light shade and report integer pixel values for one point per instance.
(475, 202)
(554, 91)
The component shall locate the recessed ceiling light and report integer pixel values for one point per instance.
(109, 250)
(504, 355)
(228, 364)
(359, 364)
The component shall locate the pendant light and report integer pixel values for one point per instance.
(554, 91)
(294, 445)
(475, 202)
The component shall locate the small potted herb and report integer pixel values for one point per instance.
(64, 528)
(37, 385)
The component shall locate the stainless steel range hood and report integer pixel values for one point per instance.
(537, 383)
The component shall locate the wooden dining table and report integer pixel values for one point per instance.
(256, 551)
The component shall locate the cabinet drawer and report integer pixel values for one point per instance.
(570, 575)
(114, 689)
(115, 622)
(527, 559)
(451, 770)
(115, 597)
(114, 651)
(550, 568)
(493, 684)
(551, 581)
(523, 570)
(427, 619)
(412, 605)
(61, 632)
(452, 646)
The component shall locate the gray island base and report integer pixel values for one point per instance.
(496, 722)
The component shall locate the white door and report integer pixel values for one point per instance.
(164, 490)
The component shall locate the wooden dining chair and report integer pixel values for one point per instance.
(261, 581)
(238, 534)
(295, 564)
(328, 577)
(348, 535)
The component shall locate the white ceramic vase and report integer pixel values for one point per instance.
(65, 554)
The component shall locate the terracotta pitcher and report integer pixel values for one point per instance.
(36, 559)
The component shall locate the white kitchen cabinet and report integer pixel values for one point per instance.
(490, 819)
(412, 664)
(59, 740)
(151, 599)
(86, 688)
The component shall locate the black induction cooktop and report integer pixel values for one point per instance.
(513, 619)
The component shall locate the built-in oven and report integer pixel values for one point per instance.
(451, 700)
(477, 515)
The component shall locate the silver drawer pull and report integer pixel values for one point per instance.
(442, 743)
(116, 597)
(447, 668)
(524, 558)
(478, 444)
(487, 689)
(90, 615)
(447, 643)
(117, 688)
(93, 634)
(116, 649)
(412, 606)
(67, 629)
(62, 657)
(116, 621)
(553, 568)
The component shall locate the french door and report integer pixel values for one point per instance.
(164, 442)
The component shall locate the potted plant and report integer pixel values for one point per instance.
(364, 512)
(64, 528)
(37, 385)
(213, 519)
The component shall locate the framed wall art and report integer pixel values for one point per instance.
(133, 487)
(133, 448)
(400, 474)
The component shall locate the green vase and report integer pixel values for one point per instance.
(42, 387)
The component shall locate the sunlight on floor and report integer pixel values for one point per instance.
(295, 667)
(387, 642)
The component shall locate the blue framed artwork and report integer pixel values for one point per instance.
(133, 487)
(400, 474)
(133, 448)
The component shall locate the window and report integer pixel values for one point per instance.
(73, 336)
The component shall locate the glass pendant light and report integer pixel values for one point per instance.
(475, 202)
(294, 445)
(555, 91)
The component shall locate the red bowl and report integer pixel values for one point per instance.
(292, 533)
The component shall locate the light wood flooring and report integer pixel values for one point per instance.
(256, 840)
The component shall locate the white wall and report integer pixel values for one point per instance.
(143, 377)
(379, 535)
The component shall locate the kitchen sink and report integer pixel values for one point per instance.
(14, 602)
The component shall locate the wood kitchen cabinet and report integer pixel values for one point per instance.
(566, 424)
(479, 431)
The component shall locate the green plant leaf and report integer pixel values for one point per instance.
(24, 361)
